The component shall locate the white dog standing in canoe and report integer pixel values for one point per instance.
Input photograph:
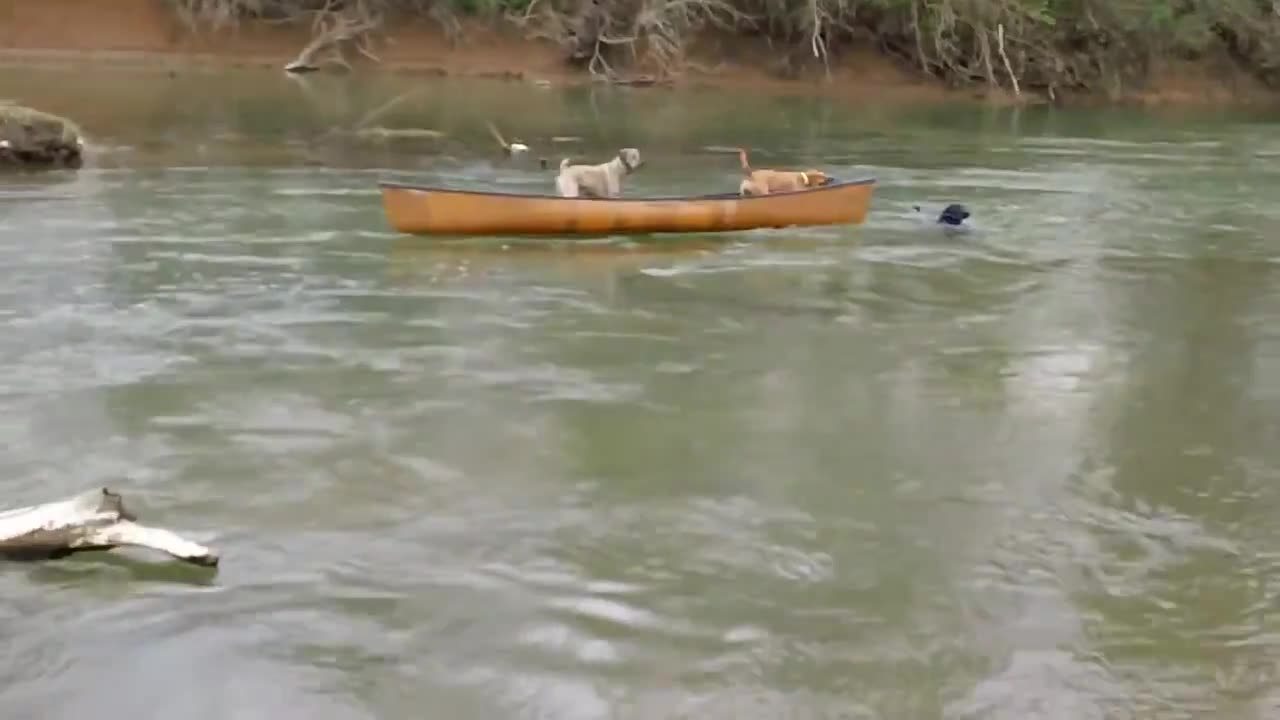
(603, 180)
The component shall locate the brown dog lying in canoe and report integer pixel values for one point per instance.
(763, 182)
(603, 180)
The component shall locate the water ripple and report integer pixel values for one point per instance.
(836, 472)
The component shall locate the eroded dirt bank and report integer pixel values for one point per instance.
(148, 32)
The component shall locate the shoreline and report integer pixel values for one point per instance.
(148, 34)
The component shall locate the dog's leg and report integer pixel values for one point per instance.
(751, 186)
(589, 183)
(566, 186)
(602, 182)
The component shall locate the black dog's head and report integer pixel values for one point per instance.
(953, 214)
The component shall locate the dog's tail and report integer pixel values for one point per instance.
(742, 155)
(564, 164)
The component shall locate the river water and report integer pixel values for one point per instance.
(873, 472)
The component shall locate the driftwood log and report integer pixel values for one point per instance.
(95, 520)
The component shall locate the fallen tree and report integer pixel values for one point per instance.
(331, 31)
(335, 25)
(92, 521)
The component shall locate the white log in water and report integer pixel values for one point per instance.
(95, 520)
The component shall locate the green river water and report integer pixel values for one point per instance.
(871, 472)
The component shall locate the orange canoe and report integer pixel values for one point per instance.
(434, 211)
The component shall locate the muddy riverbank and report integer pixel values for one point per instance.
(148, 32)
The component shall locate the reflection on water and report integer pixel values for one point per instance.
(837, 472)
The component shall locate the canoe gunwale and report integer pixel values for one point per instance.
(728, 196)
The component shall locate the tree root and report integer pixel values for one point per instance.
(605, 38)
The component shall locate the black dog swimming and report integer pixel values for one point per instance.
(954, 214)
(952, 217)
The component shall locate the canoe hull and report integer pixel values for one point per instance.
(420, 210)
